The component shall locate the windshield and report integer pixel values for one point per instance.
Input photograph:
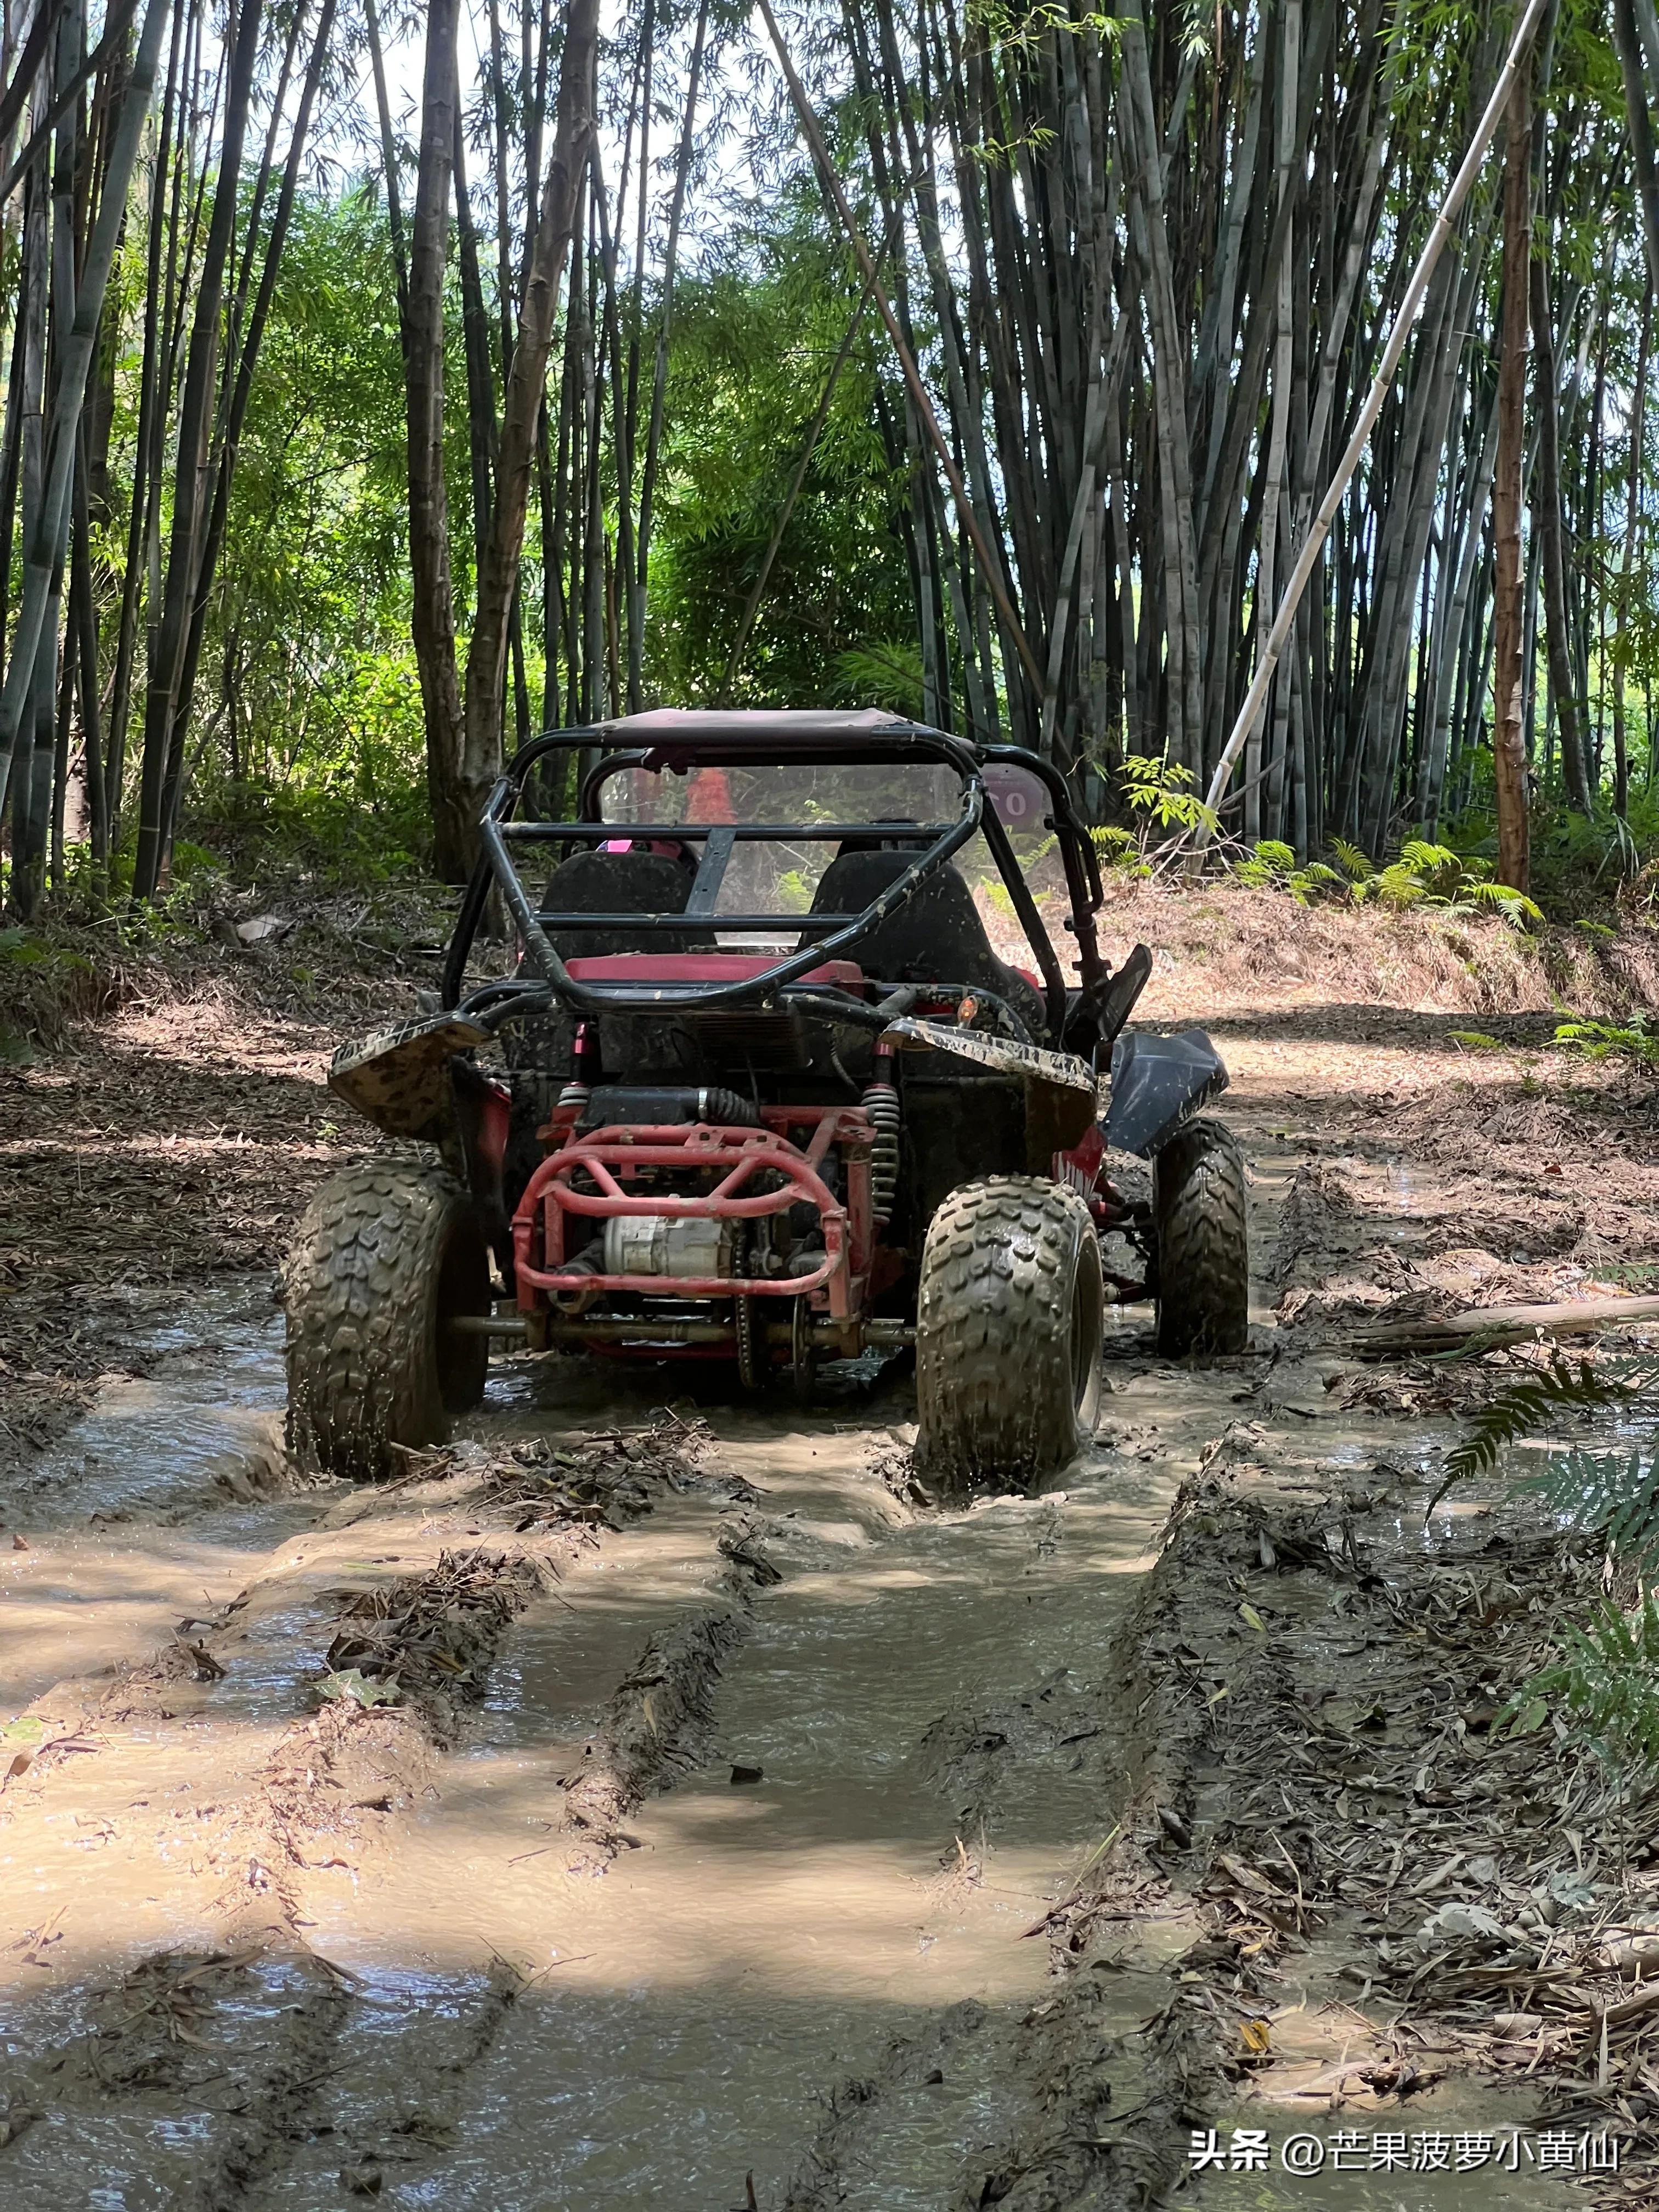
(891, 804)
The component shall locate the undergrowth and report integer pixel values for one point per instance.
(1602, 1680)
(1630, 1040)
(1422, 874)
(47, 983)
(329, 831)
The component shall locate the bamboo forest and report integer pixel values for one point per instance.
(828, 1105)
(983, 365)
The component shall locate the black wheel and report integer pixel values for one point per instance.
(1203, 1242)
(1009, 1320)
(387, 1255)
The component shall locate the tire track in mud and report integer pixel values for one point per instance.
(1078, 2091)
(985, 2117)
(148, 2046)
(657, 1726)
(1085, 2097)
(187, 2078)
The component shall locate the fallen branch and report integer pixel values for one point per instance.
(1494, 1326)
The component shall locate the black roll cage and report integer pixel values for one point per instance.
(833, 934)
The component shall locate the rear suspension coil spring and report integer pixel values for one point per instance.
(579, 1085)
(881, 1104)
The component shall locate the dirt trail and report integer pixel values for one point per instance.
(749, 1813)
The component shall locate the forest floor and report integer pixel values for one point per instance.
(756, 1826)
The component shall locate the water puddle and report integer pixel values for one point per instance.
(155, 1508)
(207, 1416)
(920, 1714)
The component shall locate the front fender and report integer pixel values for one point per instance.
(1157, 1083)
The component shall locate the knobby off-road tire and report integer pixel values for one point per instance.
(1203, 1243)
(387, 1255)
(1009, 1324)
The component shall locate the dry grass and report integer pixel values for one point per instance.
(1252, 945)
(1496, 1886)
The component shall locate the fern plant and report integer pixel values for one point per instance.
(1632, 1040)
(1273, 866)
(1422, 875)
(1606, 1676)
(1435, 875)
(1611, 1495)
(1603, 1681)
(1117, 848)
(1565, 1385)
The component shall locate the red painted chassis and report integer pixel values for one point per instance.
(856, 1267)
(611, 1157)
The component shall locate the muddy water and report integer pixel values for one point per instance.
(158, 1506)
(823, 1968)
(924, 1696)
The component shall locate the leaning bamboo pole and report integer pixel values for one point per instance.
(1313, 547)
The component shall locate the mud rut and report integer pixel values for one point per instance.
(751, 1821)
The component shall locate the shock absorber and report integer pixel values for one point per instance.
(881, 1104)
(587, 1056)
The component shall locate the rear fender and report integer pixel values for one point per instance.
(401, 1079)
(414, 1080)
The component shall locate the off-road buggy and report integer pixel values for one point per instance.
(752, 1085)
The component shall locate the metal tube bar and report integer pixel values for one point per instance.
(599, 833)
(795, 924)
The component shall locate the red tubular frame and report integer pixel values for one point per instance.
(538, 1226)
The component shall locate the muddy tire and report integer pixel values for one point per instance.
(386, 1255)
(1203, 1243)
(1009, 1323)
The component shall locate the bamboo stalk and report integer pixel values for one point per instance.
(44, 547)
(832, 185)
(1372, 407)
(1500, 1325)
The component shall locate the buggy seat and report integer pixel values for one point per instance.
(618, 883)
(935, 937)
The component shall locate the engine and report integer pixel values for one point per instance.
(659, 1244)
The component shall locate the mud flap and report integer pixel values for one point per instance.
(1062, 1099)
(1156, 1082)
